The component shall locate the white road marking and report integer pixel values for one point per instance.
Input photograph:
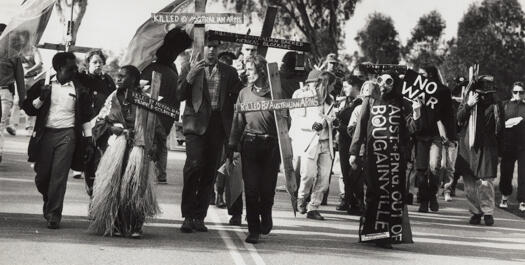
(251, 249)
(232, 249)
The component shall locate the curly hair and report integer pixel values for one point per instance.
(92, 53)
(260, 66)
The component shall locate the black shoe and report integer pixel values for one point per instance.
(423, 207)
(212, 199)
(314, 215)
(77, 176)
(236, 220)
(187, 225)
(252, 238)
(136, 234)
(301, 205)
(489, 220)
(220, 202)
(475, 219)
(384, 244)
(343, 204)
(11, 130)
(434, 205)
(354, 210)
(198, 225)
(162, 181)
(266, 224)
(53, 224)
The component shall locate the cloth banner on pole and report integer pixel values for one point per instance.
(150, 36)
(26, 27)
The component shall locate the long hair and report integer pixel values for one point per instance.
(260, 67)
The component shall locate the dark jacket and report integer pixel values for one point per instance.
(100, 87)
(480, 161)
(196, 122)
(83, 114)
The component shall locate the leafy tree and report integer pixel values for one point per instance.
(320, 22)
(379, 40)
(492, 35)
(425, 47)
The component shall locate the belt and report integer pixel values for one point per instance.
(260, 136)
(59, 129)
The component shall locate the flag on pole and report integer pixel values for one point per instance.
(150, 36)
(26, 27)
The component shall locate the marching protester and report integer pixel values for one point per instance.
(428, 146)
(513, 147)
(175, 42)
(62, 136)
(122, 197)
(384, 126)
(207, 121)
(351, 90)
(482, 123)
(100, 86)
(254, 134)
(11, 74)
(316, 158)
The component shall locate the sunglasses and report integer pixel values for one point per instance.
(385, 80)
(521, 92)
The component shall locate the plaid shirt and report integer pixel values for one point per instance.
(213, 78)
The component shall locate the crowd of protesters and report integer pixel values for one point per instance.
(86, 122)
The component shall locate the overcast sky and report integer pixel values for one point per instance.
(110, 24)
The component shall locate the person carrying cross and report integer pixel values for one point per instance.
(207, 121)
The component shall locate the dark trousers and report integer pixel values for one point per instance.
(353, 179)
(52, 167)
(260, 165)
(89, 172)
(428, 163)
(510, 157)
(202, 160)
(162, 156)
(236, 208)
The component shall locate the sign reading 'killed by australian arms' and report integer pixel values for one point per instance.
(197, 18)
(277, 104)
(258, 41)
(154, 105)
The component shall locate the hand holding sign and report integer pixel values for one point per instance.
(195, 68)
(416, 108)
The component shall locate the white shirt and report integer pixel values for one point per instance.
(62, 109)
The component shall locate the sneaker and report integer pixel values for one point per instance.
(423, 207)
(315, 215)
(447, 196)
(187, 225)
(434, 205)
(489, 220)
(136, 235)
(475, 219)
(198, 225)
(236, 220)
(11, 130)
(252, 238)
(522, 207)
(301, 204)
(504, 204)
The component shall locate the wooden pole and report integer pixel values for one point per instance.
(198, 50)
(269, 21)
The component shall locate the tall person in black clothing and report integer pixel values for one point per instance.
(351, 90)
(254, 134)
(206, 121)
(175, 42)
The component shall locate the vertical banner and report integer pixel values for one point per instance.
(385, 219)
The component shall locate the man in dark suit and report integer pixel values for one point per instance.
(62, 136)
(207, 121)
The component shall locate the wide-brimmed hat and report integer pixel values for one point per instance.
(313, 76)
(484, 84)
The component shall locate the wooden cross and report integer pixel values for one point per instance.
(199, 18)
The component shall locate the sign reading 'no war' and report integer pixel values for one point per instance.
(416, 86)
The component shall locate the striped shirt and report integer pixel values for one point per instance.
(213, 79)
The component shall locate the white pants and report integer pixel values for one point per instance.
(315, 174)
(6, 99)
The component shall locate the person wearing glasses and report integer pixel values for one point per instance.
(513, 147)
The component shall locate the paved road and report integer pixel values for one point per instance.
(442, 238)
